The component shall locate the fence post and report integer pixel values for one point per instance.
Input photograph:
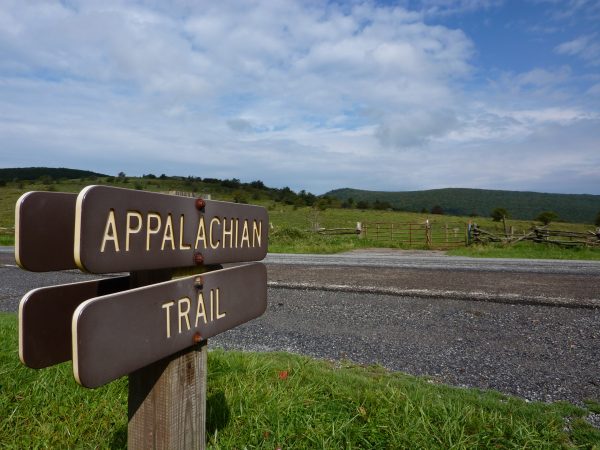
(428, 233)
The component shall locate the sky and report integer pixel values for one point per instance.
(314, 95)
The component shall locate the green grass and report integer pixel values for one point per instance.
(290, 225)
(45, 408)
(270, 400)
(294, 240)
(527, 250)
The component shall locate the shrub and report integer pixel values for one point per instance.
(288, 233)
(499, 214)
(547, 216)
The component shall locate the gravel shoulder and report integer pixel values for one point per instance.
(421, 314)
(535, 352)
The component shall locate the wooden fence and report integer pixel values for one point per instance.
(422, 235)
(541, 235)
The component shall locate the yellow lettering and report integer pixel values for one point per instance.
(168, 233)
(201, 234)
(227, 234)
(183, 314)
(219, 315)
(182, 246)
(110, 232)
(150, 229)
(237, 229)
(210, 232)
(130, 229)
(257, 230)
(166, 307)
(245, 235)
(200, 310)
(212, 306)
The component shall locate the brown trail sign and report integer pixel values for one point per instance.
(144, 324)
(124, 230)
(45, 316)
(44, 231)
(119, 333)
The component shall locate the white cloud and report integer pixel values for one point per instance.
(594, 90)
(415, 128)
(305, 94)
(455, 7)
(570, 9)
(586, 47)
(280, 63)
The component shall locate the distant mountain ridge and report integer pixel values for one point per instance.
(34, 173)
(463, 202)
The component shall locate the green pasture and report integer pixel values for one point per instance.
(291, 226)
(279, 400)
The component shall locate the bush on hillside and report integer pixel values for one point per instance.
(547, 216)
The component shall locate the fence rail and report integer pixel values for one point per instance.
(428, 234)
(541, 235)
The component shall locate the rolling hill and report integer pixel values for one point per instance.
(464, 202)
(34, 173)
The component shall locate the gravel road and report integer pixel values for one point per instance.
(526, 328)
(416, 259)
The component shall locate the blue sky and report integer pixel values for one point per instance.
(394, 95)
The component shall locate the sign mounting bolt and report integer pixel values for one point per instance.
(198, 259)
(197, 338)
(200, 204)
(198, 282)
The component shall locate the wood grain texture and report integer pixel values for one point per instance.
(167, 402)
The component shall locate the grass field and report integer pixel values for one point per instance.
(271, 400)
(290, 224)
(527, 250)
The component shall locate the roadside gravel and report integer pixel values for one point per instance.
(535, 352)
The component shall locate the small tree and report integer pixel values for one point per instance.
(597, 222)
(547, 216)
(499, 214)
(240, 196)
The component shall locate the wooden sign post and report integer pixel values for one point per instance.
(146, 325)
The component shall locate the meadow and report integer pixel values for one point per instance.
(291, 225)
